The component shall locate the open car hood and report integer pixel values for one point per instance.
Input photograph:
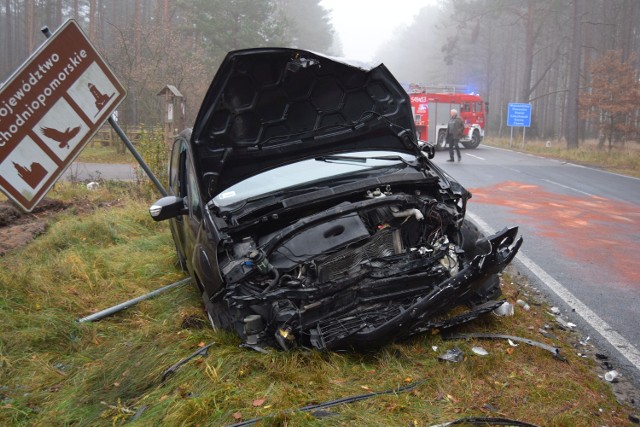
(273, 106)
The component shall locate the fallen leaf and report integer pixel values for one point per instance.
(259, 402)
(451, 398)
(201, 344)
(237, 416)
(365, 387)
(163, 397)
(510, 350)
(408, 380)
(116, 384)
(337, 381)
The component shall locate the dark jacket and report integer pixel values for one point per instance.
(455, 129)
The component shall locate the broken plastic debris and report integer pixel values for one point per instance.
(434, 347)
(454, 355)
(93, 185)
(506, 309)
(547, 334)
(554, 350)
(555, 310)
(511, 343)
(611, 376)
(563, 324)
(524, 305)
(480, 351)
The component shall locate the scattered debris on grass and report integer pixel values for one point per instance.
(202, 351)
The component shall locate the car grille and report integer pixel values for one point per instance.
(346, 262)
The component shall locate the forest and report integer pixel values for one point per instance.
(575, 61)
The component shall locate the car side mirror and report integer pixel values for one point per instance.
(167, 208)
(428, 149)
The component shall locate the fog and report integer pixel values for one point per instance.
(556, 55)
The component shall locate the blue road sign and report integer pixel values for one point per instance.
(519, 115)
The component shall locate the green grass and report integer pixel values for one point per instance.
(624, 160)
(96, 153)
(54, 371)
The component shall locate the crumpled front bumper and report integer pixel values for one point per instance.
(419, 317)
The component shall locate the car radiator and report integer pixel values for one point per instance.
(347, 261)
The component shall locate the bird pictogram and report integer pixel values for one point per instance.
(62, 138)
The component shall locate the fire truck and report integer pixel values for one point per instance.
(431, 108)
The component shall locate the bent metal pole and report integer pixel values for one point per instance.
(116, 308)
(126, 141)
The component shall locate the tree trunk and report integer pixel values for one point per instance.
(137, 28)
(629, 27)
(9, 35)
(92, 20)
(528, 54)
(30, 25)
(572, 120)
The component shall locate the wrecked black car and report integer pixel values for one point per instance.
(308, 214)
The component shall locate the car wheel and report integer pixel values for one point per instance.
(217, 312)
(473, 242)
(442, 143)
(475, 140)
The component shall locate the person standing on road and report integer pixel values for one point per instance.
(455, 130)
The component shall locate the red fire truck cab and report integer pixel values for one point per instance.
(431, 116)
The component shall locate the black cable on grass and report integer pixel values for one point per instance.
(343, 401)
(486, 421)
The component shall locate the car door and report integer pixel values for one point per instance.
(191, 224)
(183, 183)
(177, 187)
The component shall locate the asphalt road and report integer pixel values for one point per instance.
(582, 238)
(94, 171)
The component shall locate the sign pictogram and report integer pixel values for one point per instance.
(49, 110)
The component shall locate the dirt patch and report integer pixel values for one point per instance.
(18, 228)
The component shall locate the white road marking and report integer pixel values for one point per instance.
(628, 350)
(513, 170)
(477, 157)
(569, 188)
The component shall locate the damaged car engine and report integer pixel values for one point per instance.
(331, 279)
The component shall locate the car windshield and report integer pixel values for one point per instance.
(310, 172)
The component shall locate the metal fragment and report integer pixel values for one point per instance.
(116, 308)
(453, 355)
(553, 350)
(173, 368)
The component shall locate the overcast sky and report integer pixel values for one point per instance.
(364, 25)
